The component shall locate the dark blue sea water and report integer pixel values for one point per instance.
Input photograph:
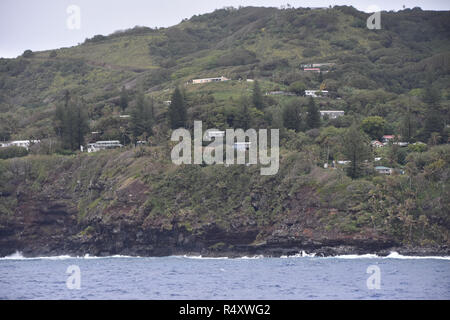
(202, 278)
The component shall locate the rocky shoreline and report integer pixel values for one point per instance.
(179, 244)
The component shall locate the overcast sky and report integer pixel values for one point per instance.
(43, 24)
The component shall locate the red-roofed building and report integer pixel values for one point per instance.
(388, 138)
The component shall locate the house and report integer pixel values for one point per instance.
(312, 70)
(103, 145)
(125, 116)
(20, 143)
(167, 102)
(332, 114)
(401, 144)
(208, 80)
(315, 93)
(377, 144)
(280, 93)
(319, 65)
(383, 170)
(387, 138)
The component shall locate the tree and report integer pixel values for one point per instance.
(70, 122)
(433, 118)
(313, 115)
(356, 149)
(245, 118)
(177, 110)
(298, 88)
(291, 116)
(123, 99)
(408, 126)
(81, 126)
(258, 102)
(27, 54)
(142, 117)
(374, 127)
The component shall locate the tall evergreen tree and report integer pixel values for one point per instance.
(408, 126)
(313, 116)
(257, 97)
(81, 126)
(433, 119)
(291, 116)
(71, 122)
(244, 118)
(123, 99)
(177, 110)
(142, 117)
(356, 149)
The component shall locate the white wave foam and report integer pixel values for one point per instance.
(251, 257)
(199, 257)
(19, 256)
(396, 255)
(302, 254)
(393, 255)
(356, 256)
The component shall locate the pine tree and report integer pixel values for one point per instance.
(258, 101)
(81, 126)
(408, 126)
(142, 117)
(71, 122)
(123, 99)
(433, 119)
(244, 119)
(291, 116)
(313, 116)
(177, 110)
(356, 149)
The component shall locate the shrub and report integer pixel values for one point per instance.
(13, 152)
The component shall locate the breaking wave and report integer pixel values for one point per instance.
(393, 255)
(19, 256)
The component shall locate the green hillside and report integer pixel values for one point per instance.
(393, 81)
(259, 43)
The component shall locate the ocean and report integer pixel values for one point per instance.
(253, 278)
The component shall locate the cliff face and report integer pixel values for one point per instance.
(130, 204)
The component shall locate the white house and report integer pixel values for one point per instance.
(315, 93)
(377, 144)
(103, 145)
(20, 143)
(280, 93)
(312, 70)
(332, 114)
(383, 170)
(208, 80)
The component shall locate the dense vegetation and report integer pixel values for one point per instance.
(389, 81)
